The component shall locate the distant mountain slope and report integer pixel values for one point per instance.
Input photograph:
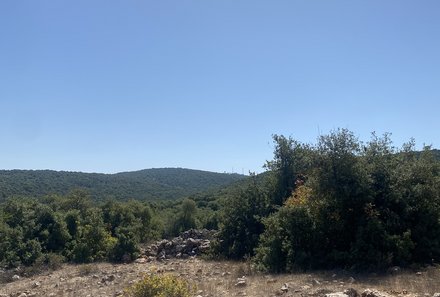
(148, 184)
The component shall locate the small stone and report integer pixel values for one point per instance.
(436, 295)
(15, 277)
(418, 273)
(337, 294)
(241, 282)
(374, 293)
(285, 288)
(315, 282)
(36, 285)
(351, 292)
(141, 261)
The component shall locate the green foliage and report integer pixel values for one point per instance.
(291, 159)
(288, 240)
(125, 248)
(149, 184)
(93, 242)
(242, 221)
(71, 228)
(162, 285)
(186, 217)
(359, 206)
(339, 203)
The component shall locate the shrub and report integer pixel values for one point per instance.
(166, 285)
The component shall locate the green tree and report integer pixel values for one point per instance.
(242, 221)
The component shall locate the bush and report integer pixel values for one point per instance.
(125, 249)
(166, 285)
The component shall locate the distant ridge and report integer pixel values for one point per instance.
(147, 184)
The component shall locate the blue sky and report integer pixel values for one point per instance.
(108, 86)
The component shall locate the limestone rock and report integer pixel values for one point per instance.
(241, 282)
(189, 243)
(374, 293)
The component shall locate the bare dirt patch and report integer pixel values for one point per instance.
(215, 278)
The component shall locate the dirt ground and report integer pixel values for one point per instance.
(217, 279)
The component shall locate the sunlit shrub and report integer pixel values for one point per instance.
(162, 285)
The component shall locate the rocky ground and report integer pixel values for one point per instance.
(213, 278)
(222, 279)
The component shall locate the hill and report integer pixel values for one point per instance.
(148, 184)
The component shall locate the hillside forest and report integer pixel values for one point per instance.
(337, 203)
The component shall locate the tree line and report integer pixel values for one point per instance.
(75, 228)
(338, 203)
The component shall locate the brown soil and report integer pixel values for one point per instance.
(216, 279)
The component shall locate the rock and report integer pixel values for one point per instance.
(351, 280)
(188, 243)
(36, 285)
(418, 273)
(374, 293)
(315, 282)
(285, 288)
(337, 294)
(241, 282)
(15, 277)
(141, 261)
(436, 295)
(351, 292)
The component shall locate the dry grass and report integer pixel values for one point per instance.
(215, 279)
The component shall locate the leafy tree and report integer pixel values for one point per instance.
(186, 217)
(291, 160)
(242, 221)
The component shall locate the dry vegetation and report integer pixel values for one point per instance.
(217, 279)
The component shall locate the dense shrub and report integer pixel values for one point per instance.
(360, 206)
(242, 221)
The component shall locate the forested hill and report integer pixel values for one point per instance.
(148, 184)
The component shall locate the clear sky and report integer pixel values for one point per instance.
(109, 86)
